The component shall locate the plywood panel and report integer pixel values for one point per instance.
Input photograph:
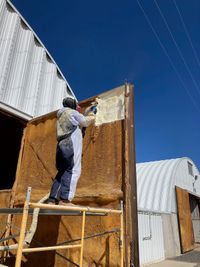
(101, 178)
(5, 196)
(37, 166)
(4, 203)
(185, 220)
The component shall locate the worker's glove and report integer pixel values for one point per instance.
(92, 109)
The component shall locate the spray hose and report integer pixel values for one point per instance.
(30, 233)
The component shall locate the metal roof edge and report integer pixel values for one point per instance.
(154, 161)
(15, 112)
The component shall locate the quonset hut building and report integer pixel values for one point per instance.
(31, 84)
(168, 208)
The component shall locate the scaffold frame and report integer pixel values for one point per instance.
(28, 204)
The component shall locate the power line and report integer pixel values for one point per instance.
(178, 48)
(167, 55)
(187, 33)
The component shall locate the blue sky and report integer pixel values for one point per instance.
(100, 44)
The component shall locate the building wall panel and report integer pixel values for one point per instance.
(30, 80)
(19, 69)
(171, 235)
(33, 81)
(8, 30)
(60, 93)
(151, 242)
(48, 83)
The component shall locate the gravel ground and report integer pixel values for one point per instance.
(190, 259)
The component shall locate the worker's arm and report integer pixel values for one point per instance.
(81, 120)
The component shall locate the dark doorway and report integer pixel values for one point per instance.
(194, 207)
(10, 141)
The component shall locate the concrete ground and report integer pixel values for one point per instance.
(189, 259)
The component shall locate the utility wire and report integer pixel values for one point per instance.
(167, 55)
(177, 47)
(187, 33)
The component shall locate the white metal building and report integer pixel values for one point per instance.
(31, 84)
(160, 233)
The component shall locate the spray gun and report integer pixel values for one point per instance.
(92, 108)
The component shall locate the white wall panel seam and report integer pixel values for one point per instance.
(11, 58)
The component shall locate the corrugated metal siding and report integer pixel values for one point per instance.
(151, 242)
(156, 183)
(30, 81)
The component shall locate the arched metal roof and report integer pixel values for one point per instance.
(156, 183)
(30, 80)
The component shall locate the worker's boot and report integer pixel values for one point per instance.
(51, 201)
(66, 203)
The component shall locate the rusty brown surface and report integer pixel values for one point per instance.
(101, 184)
(4, 203)
(99, 251)
(185, 220)
(5, 196)
(101, 179)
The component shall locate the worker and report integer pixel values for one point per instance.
(69, 150)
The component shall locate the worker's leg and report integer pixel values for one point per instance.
(76, 138)
(55, 188)
(64, 158)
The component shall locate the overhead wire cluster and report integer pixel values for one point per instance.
(156, 34)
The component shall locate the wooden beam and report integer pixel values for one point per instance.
(50, 248)
(73, 208)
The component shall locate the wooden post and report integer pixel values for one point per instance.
(82, 239)
(131, 248)
(23, 228)
(121, 237)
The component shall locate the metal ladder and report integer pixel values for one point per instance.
(83, 210)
